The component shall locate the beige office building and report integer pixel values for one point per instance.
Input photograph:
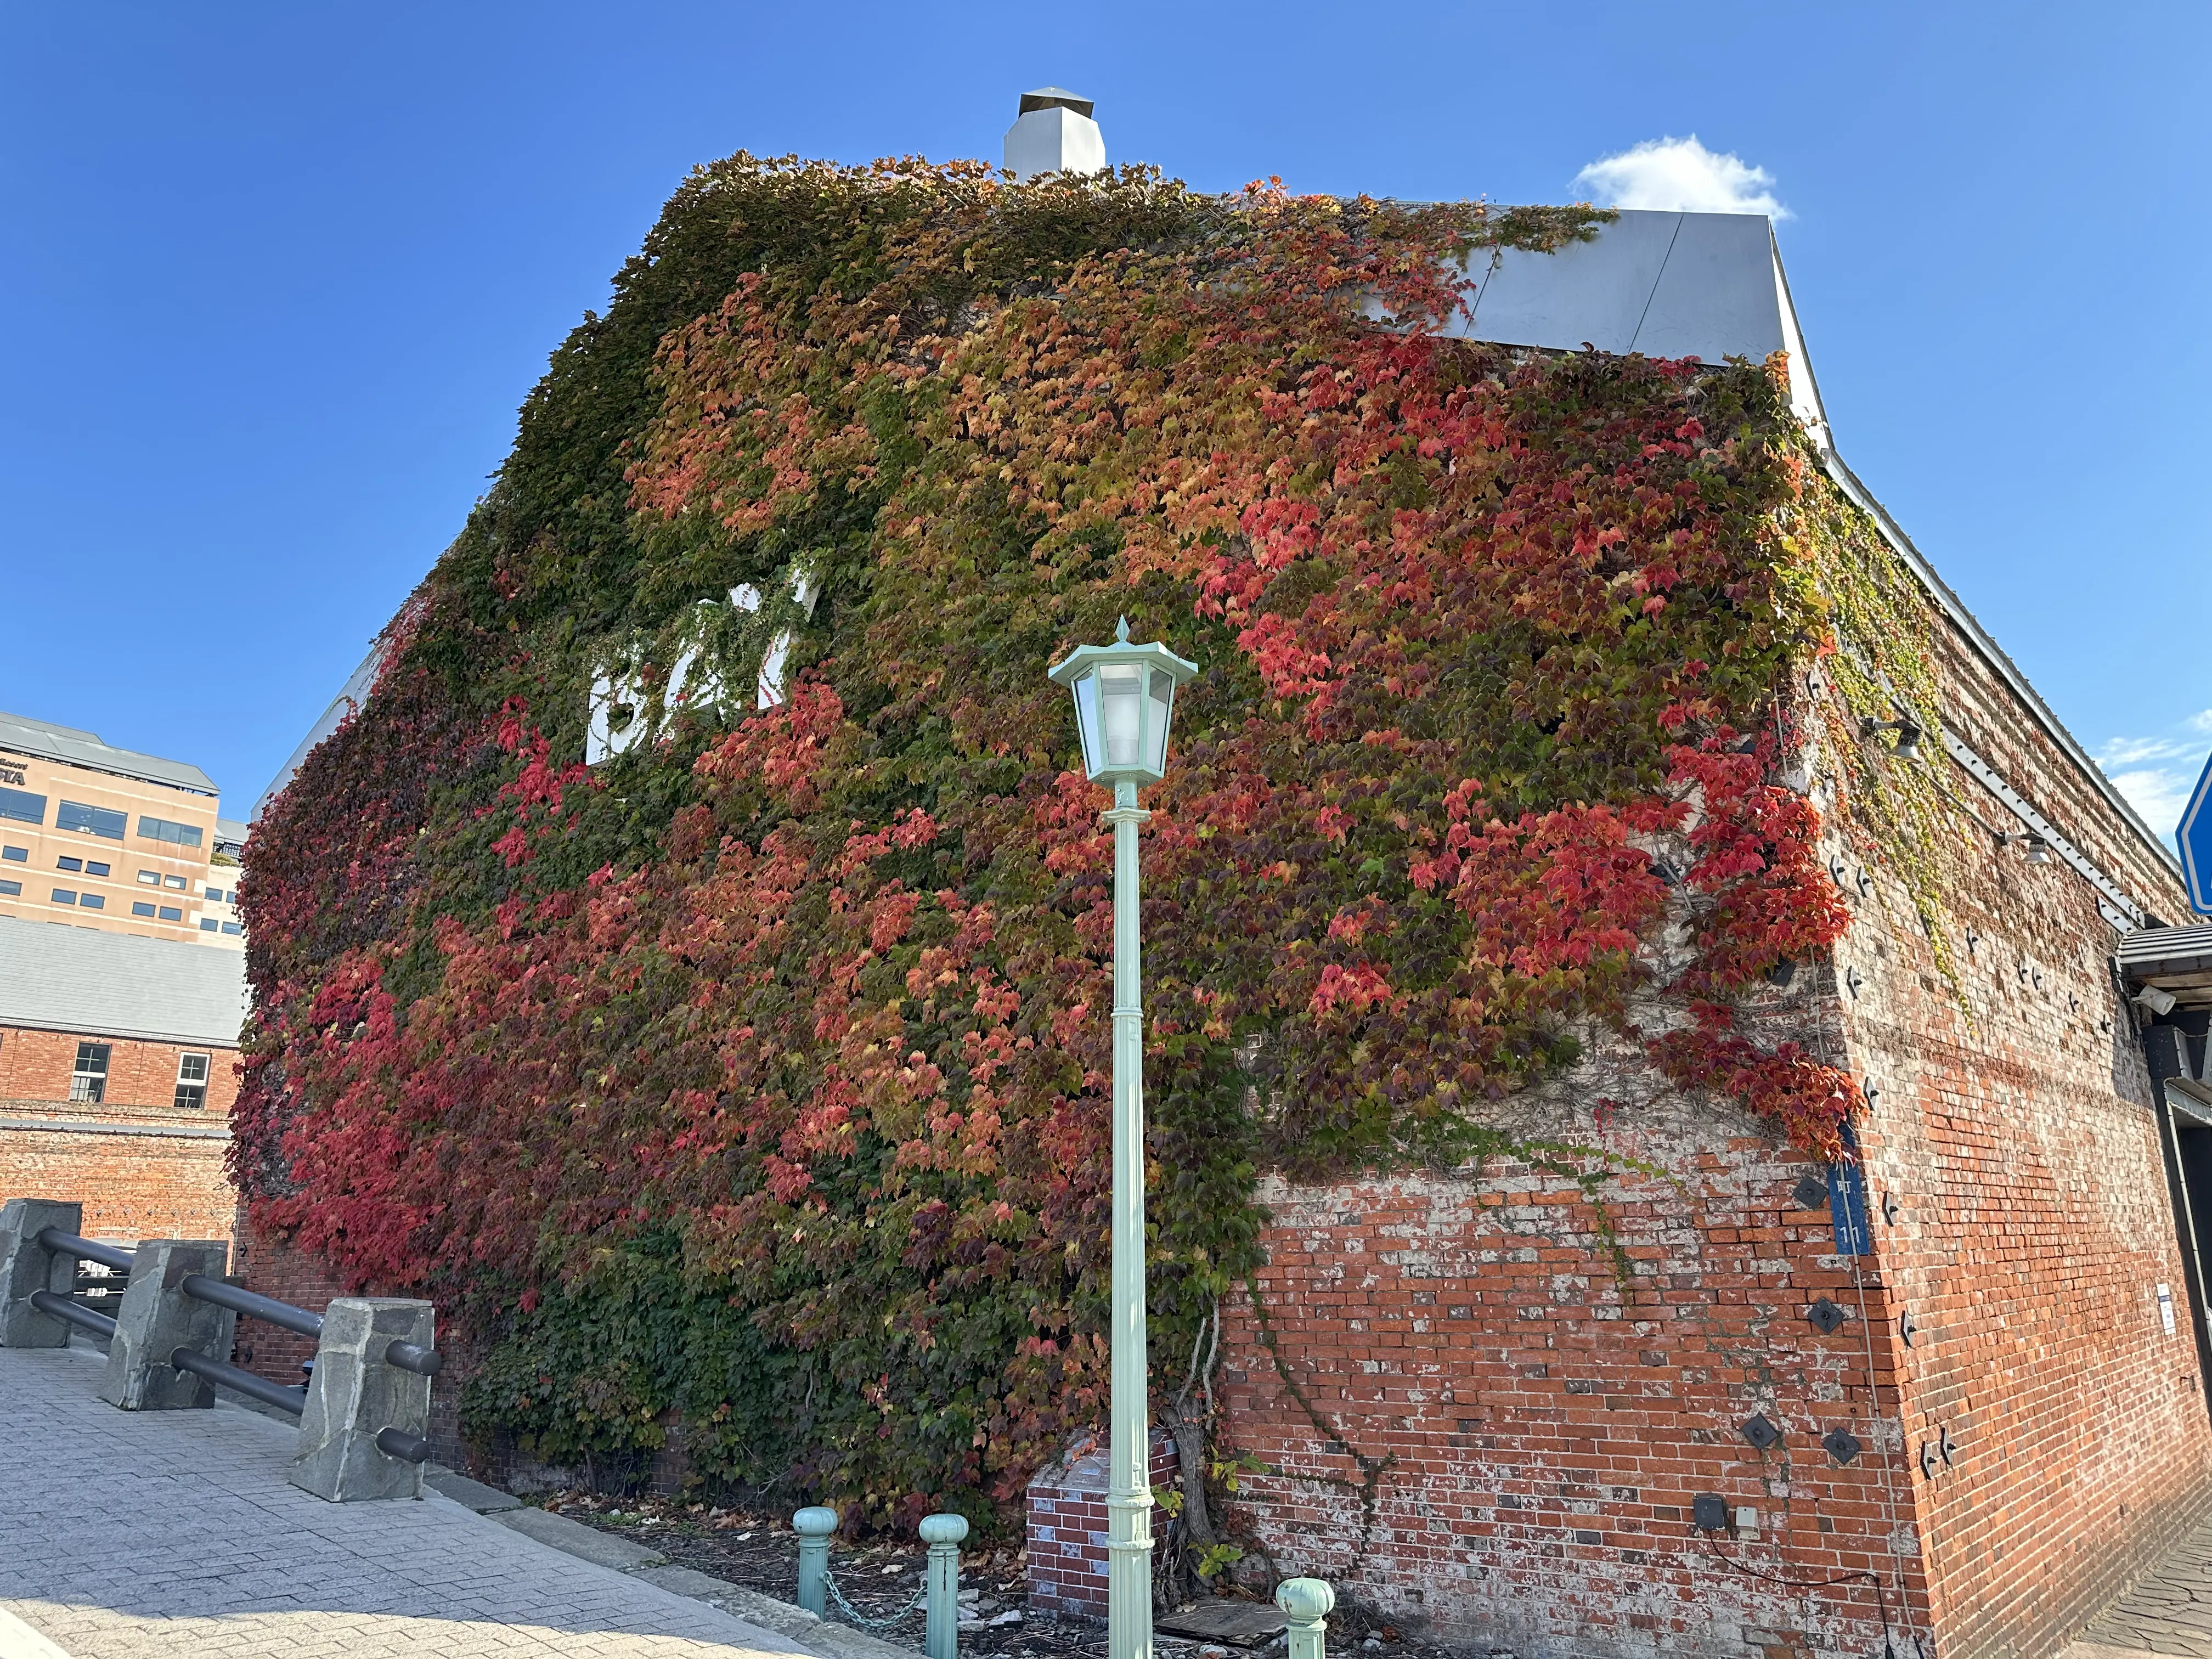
(96, 836)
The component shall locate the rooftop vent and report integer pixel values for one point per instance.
(1054, 133)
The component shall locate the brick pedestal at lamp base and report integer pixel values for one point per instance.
(1066, 1526)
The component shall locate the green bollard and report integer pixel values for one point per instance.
(814, 1526)
(1305, 1603)
(943, 1534)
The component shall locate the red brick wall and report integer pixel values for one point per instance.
(37, 1066)
(2034, 1223)
(1500, 1437)
(141, 1168)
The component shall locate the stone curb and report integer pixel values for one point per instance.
(825, 1637)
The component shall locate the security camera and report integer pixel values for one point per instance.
(2158, 1001)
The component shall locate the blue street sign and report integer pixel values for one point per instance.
(1847, 1209)
(1847, 1206)
(2194, 835)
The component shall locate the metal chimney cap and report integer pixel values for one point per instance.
(1054, 98)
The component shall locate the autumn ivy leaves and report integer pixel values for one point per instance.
(781, 1049)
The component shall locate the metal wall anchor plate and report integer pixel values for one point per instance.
(1810, 1192)
(1891, 1209)
(1851, 980)
(1907, 1329)
(1760, 1432)
(1927, 1461)
(1946, 1445)
(1843, 1445)
(1825, 1316)
(1864, 883)
(1871, 1091)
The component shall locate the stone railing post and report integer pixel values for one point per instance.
(943, 1534)
(1306, 1603)
(362, 1432)
(157, 1318)
(27, 1266)
(814, 1526)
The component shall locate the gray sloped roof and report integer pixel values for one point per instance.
(71, 747)
(56, 977)
(1711, 286)
(1703, 285)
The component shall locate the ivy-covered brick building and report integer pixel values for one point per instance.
(689, 959)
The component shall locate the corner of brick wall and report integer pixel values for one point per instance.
(1065, 1510)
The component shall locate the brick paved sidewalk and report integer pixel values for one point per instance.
(2168, 1611)
(139, 1534)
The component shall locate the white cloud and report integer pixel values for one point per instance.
(1681, 175)
(2159, 792)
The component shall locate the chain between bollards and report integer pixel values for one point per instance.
(940, 1589)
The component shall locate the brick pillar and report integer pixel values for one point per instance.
(1067, 1525)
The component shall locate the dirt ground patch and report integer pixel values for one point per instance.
(878, 1577)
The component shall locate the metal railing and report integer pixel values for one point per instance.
(216, 1292)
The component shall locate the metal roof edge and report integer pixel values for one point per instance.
(182, 1039)
(1991, 651)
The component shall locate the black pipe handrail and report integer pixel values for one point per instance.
(239, 1299)
(408, 1448)
(410, 1357)
(60, 1307)
(62, 1243)
(292, 1400)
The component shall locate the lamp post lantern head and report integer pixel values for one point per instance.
(1124, 700)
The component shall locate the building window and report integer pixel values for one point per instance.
(68, 863)
(91, 901)
(176, 881)
(170, 913)
(63, 895)
(216, 893)
(233, 927)
(142, 909)
(192, 1082)
(11, 888)
(23, 807)
(15, 854)
(207, 924)
(92, 868)
(90, 820)
(180, 834)
(89, 1082)
(149, 877)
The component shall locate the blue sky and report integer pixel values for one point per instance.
(278, 278)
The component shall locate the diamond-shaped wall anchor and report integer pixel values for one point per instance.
(1843, 1445)
(1851, 980)
(1810, 1192)
(1907, 1329)
(1760, 1432)
(1890, 1208)
(1946, 1445)
(1825, 1316)
(1927, 1461)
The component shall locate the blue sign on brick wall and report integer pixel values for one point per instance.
(2195, 838)
(1847, 1205)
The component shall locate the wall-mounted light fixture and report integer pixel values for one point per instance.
(1909, 734)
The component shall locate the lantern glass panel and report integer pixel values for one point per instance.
(1156, 724)
(1086, 722)
(1121, 697)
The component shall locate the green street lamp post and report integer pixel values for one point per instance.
(1124, 699)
